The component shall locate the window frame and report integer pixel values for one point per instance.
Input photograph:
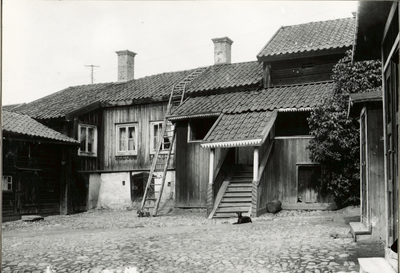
(8, 183)
(152, 144)
(127, 152)
(86, 153)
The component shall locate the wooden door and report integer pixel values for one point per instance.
(28, 193)
(307, 181)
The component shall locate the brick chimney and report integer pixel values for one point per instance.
(126, 65)
(222, 50)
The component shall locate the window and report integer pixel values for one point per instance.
(87, 135)
(198, 128)
(7, 183)
(155, 131)
(127, 139)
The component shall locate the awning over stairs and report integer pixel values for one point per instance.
(240, 129)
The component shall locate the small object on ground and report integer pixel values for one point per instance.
(143, 213)
(49, 269)
(31, 218)
(242, 219)
(274, 206)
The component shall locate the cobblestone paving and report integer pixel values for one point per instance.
(110, 241)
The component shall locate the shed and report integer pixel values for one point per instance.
(38, 171)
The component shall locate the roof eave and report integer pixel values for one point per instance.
(304, 54)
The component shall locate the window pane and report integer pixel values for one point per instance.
(156, 131)
(131, 140)
(122, 139)
(90, 140)
(83, 139)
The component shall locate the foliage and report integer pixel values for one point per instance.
(336, 136)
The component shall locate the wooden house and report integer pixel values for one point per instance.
(237, 150)
(118, 124)
(38, 171)
(377, 37)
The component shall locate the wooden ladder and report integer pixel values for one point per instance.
(159, 160)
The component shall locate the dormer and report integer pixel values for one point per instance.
(307, 52)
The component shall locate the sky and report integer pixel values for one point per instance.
(48, 45)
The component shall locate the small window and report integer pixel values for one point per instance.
(155, 134)
(7, 183)
(127, 139)
(198, 128)
(87, 135)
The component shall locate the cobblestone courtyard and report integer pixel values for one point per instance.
(184, 241)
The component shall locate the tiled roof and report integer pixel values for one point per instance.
(154, 87)
(11, 107)
(240, 127)
(22, 124)
(283, 97)
(309, 37)
(72, 98)
(224, 76)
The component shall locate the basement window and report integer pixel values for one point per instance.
(198, 128)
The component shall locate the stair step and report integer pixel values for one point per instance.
(231, 205)
(237, 200)
(238, 184)
(241, 180)
(239, 189)
(234, 209)
(237, 194)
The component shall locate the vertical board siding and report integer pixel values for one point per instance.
(279, 180)
(375, 172)
(142, 115)
(192, 169)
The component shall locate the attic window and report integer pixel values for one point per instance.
(198, 128)
(308, 65)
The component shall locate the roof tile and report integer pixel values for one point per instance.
(295, 96)
(25, 125)
(310, 37)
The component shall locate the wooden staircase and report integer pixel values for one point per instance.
(235, 194)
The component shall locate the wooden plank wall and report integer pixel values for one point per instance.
(192, 170)
(280, 175)
(303, 70)
(36, 169)
(375, 171)
(141, 114)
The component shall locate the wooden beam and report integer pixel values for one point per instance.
(256, 163)
(264, 160)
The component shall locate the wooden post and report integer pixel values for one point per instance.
(210, 191)
(255, 182)
(255, 163)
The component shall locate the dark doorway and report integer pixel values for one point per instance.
(307, 179)
(138, 184)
